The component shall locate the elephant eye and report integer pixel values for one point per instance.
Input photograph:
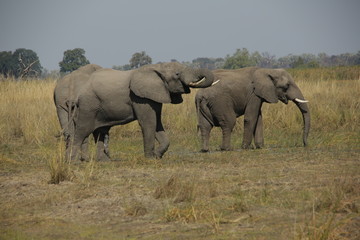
(177, 75)
(286, 87)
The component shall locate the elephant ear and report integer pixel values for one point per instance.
(264, 85)
(148, 84)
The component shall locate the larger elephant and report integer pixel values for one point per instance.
(242, 92)
(112, 97)
(66, 93)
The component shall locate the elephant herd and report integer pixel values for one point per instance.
(92, 99)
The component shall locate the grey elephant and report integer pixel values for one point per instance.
(242, 92)
(66, 93)
(113, 97)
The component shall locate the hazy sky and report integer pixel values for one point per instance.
(110, 31)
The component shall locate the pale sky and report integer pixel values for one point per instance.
(110, 31)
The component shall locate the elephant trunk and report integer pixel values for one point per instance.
(303, 107)
(297, 97)
(200, 78)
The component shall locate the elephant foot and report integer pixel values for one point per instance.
(103, 155)
(247, 146)
(104, 158)
(84, 157)
(204, 150)
(159, 155)
(226, 149)
(151, 155)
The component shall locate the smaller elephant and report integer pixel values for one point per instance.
(66, 93)
(112, 97)
(242, 92)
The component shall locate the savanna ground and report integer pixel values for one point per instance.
(284, 191)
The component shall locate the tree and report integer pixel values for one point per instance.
(23, 62)
(266, 60)
(122, 67)
(28, 63)
(139, 59)
(209, 63)
(7, 65)
(72, 60)
(305, 61)
(240, 59)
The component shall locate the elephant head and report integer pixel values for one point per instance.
(276, 84)
(165, 82)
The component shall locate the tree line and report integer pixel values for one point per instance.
(244, 58)
(25, 62)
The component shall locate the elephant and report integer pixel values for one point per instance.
(242, 92)
(65, 98)
(112, 97)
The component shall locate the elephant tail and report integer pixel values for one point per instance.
(203, 111)
(72, 107)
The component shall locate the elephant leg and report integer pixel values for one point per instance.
(164, 143)
(84, 149)
(161, 136)
(63, 120)
(205, 128)
(259, 132)
(251, 116)
(84, 126)
(227, 125)
(146, 115)
(101, 137)
(71, 111)
(78, 148)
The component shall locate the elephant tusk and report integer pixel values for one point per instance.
(300, 101)
(198, 82)
(215, 82)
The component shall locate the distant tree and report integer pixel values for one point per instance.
(209, 63)
(22, 63)
(323, 59)
(28, 63)
(241, 58)
(72, 60)
(53, 74)
(140, 59)
(7, 65)
(122, 68)
(357, 58)
(286, 61)
(298, 63)
(266, 60)
(305, 61)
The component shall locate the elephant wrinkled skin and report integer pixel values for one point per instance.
(113, 97)
(242, 92)
(66, 93)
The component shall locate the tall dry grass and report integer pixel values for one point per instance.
(28, 114)
(27, 111)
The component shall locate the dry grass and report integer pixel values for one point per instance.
(283, 191)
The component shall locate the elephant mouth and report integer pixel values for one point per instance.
(176, 98)
(186, 88)
(284, 100)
